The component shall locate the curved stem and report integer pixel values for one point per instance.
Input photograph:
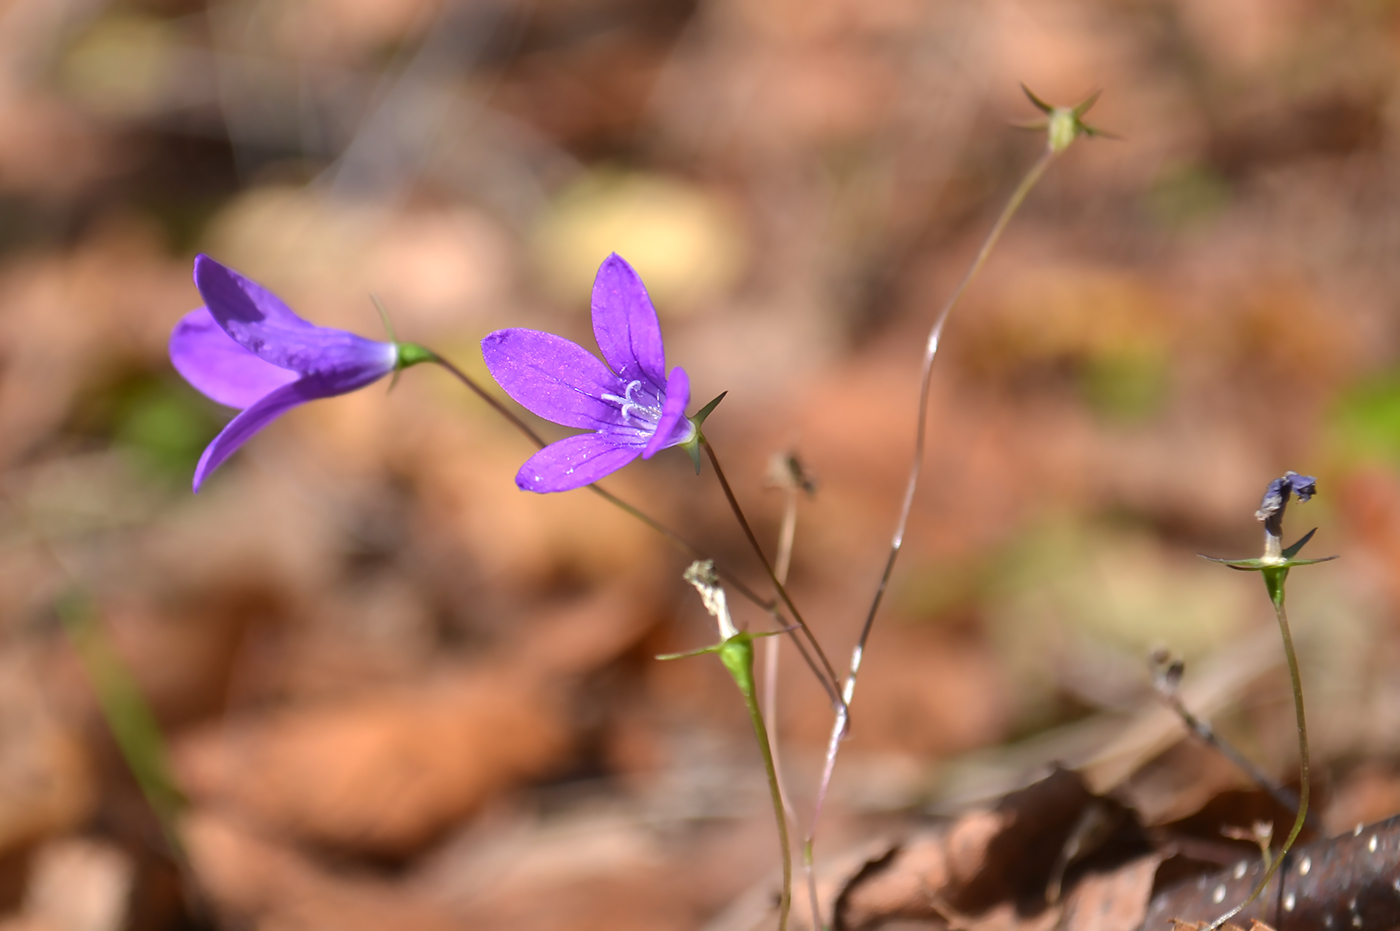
(830, 680)
(1274, 580)
(514, 419)
(925, 388)
(779, 808)
(1018, 196)
(492, 401)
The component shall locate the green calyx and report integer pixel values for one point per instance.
(697, 435)
(735, 652)
(411, 354)
(737, 655)
(1287, 560)
(1064, 124)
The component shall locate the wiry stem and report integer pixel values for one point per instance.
(1274, 580)
(492, 401)
(782, 562)
(775, 790)
(495, 404)
(830, 681)
(1207, 735)
(838, 729)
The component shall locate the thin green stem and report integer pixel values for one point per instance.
(1274, 581)
(514, 419)
(830, 680)
(1207, 735)
(779, 808)
(839, 727)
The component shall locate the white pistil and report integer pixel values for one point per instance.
(627, 405)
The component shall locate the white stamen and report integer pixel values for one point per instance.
(648, 415)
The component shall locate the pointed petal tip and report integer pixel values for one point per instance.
(625, 323)
(206, 267)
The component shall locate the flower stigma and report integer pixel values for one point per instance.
(626, 405)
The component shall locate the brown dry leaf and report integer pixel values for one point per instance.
(1115, 901)
(985, 858)
(586, 633)
(385, 772)
(1369, 794)
(45, 778)
(269, 885)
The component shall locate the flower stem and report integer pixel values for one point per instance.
(1207, 735)
(1274, 581)
(830, 681)
(772, 646)
(1018, 196)
(737, 654)
(514, 419)
(491, 400)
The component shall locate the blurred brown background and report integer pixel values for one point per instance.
(399, 693)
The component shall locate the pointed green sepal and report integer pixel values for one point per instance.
(713, 648)
(697, 434)
(1242, 564)
(1290, 551)
(1065, 124)
(1086, 104)
(692, 447)
(707, 410)
(1039, 104)
(384, 316)
(1309, 562)
(1259, 565)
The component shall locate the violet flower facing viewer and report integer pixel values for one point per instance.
(246, 349)
(632, 406)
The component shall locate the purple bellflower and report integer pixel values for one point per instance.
(246, 349)
(632, 406)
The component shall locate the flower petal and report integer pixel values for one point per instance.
(625, 324)
(553, 377)
(258, 321)
(672, 429)
(245, 425)
(217, 366)
(572, 463)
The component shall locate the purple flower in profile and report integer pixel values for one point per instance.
(246, 349)
(632, 406)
